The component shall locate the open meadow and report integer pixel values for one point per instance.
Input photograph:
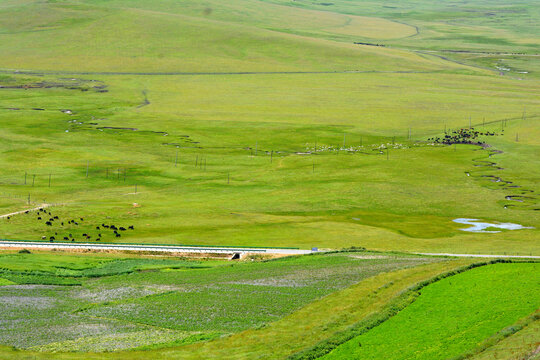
(374, 132)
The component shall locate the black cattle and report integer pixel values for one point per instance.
(99, 235)
(66, 238)
(114, 227)
(48, 223)
(56, 217)
(131, 227)
(51, 219)
(9, 217)
(105, 226)
(62, 223)
(118, 235)
(76, 223)
(39, 218)
(72, 239)
(97, 227)
(52, 238)
(81, 219)
(85, 234)
(26, 212)
(122, 228)
(98, 239)
(55, 233)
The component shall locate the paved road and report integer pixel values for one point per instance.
(149, 248)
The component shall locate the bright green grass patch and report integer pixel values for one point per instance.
(5, 282)
(452, 315)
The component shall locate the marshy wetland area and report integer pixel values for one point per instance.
(281, 179)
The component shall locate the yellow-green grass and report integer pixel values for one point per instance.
(451, 316)
(97, 38)
(331, 199)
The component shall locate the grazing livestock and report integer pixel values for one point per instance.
(56, 217)
(26, 212)
(81, 219)
(39, 218)
(122, 228)
(52, 238)
(9, 217)
(66, 238)
(131, 227)
(118, 235)
(114, 227)
(48, 223)
(97, 227)
(62, 223)
(43, 238)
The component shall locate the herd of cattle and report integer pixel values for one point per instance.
(463, 136)
(52, 220)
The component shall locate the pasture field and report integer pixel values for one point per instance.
(266, 131)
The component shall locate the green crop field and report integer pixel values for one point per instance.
(380, 132)
(452, 316)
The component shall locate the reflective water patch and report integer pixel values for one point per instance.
(479, 226)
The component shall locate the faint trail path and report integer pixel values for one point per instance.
(482, 255)
(42, 206)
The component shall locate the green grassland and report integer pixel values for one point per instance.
(269, 123)
(451, 316)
